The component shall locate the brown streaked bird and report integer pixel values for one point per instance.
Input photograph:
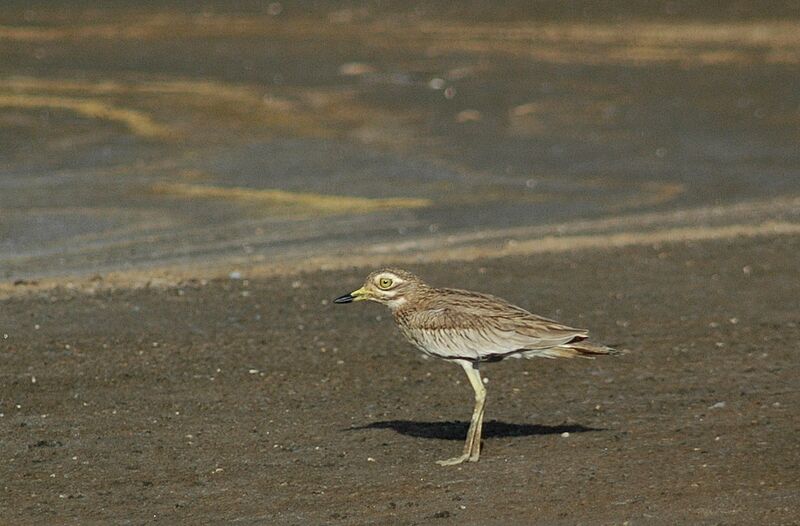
(470, 328)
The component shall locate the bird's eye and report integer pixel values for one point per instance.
(385, 283)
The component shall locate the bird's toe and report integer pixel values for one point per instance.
(454, 461)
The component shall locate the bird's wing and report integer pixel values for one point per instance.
(508, 317)
(457, 332)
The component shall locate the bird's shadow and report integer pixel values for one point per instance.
(458, 430)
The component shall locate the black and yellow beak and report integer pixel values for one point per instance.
(356, 295)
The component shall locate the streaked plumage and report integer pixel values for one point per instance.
(470, 328)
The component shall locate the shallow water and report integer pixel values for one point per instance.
(135, 136)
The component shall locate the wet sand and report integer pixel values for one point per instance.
(257, 401)
(140, 136)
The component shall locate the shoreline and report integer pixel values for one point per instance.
(744, 220)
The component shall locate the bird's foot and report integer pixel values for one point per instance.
(458, 460)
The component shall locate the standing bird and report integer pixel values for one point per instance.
(470, 328)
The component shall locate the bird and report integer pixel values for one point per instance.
(470, 329)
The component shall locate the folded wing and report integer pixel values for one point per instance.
(488, 332)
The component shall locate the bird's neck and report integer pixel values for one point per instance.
(397, 304)
(408, 302)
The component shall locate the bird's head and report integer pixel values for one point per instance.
(392, 287)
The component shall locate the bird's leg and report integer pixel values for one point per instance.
(476, 426)
(475, 449)
(472, 445)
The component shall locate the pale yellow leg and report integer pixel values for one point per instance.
(480, 400)
(472, 446)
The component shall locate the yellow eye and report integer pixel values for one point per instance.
(385, 283)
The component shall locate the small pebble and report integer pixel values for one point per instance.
(468, 116)
(436, 83)
(351, 69)
(524, 109)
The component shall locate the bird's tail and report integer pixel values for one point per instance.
(584, 349)
(578, 349)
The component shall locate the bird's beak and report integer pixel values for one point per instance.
(356, 295)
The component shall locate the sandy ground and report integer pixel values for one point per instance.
(632, 168)
(259, 402)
